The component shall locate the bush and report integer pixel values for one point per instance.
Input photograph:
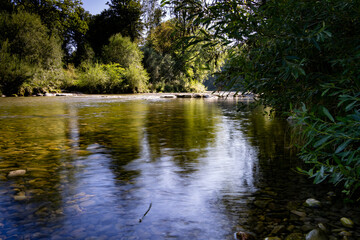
(332, 140)
(102, 78)
(136, 79)
(29, 57)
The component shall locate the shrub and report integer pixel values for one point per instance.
(102, 78)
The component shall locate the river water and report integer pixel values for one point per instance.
(196, 168)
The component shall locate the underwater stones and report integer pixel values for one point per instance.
(313, 203)
(20, 196)
(346, 222)
(278, 229)
(322, 227)
(17, 173)
(298, 213)
(316, 234)
(272, 238)
(261, 203)
(295, 236)
(244, 236)
(345, 234)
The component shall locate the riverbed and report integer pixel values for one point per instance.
(147, 167)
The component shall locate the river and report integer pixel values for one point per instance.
(148, 168)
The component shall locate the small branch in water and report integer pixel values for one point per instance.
(140, 220)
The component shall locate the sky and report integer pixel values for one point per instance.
(94, 6)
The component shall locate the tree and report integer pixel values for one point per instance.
(25, 47)
(300, 57)
(181, 63)
(6, 6)
(126, 53)
(123, 16)
(64, 19)
(122, 50)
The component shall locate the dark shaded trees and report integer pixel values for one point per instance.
(26, 48)
(66, 20)
(123, 16)
(300, 57)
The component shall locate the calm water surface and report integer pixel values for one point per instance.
(94, 165)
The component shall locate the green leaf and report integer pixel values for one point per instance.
(350, 106)
(343, 146)
(327, 113)
(322, 141)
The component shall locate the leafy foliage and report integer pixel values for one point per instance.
(66, 20)
(26, 49)
(291, 53)
(128, 55)
(123, 16)
(177, 62)
(101, 78)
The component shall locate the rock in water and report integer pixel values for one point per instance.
(347, 222)
(272, 238)
(295, 236)
(316, 234)
(311, 202)
(244, 236)
(17, 173)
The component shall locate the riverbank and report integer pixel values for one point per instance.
(207, 94)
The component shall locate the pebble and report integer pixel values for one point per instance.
(346, 222)
(313, 203)
(272, 238)
(17, 173)
(295, 236)
(345, 233)
(278, 229)
(322, 227)
(20, 196)
(316, 234)
(244, 236)
(298, 213)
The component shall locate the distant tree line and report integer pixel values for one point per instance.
(53, 45)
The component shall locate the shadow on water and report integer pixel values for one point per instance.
(95, 165)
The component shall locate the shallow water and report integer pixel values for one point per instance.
(96, 165)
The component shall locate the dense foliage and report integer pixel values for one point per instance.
(292, 54)
(53, 45)
(27, 51)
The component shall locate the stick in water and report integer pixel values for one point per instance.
(140, 220)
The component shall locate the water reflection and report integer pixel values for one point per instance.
(94, 165)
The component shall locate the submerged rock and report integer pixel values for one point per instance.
(311, 202)
(347, 222)
(20, 196)
(298, 213)
(272, 238)
(17, 173)
(316, 234)
(295, 236)
(278, 229)
(244, 236)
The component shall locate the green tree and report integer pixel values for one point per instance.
(123, 51)
(293, 54)
(25, 47)
(65, 19)
(181, 61)
(123, 16)
(6, 6)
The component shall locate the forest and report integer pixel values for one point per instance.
(301, 58)
(52, 46)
